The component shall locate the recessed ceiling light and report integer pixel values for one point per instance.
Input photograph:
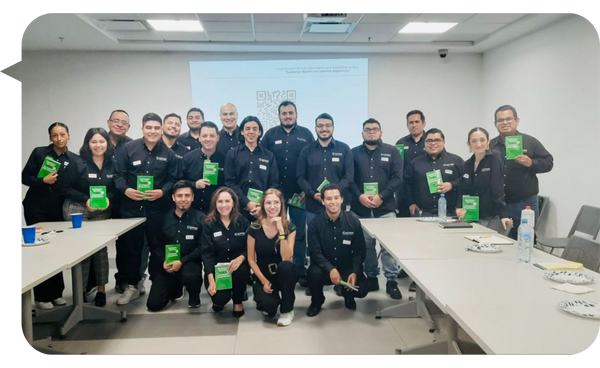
(420, 27)
(176, 25)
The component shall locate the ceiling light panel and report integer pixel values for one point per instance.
(427, 28)
(176, 25)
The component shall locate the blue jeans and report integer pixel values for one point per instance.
(388, 263)
(298, 218)
(513, 210)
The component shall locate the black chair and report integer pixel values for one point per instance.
(584, 251)
(496, 224)
(586, 222)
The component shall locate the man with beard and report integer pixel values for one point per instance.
(171, 130)
(191, 139)
(377, 175)
(229, 136)
(286, 141)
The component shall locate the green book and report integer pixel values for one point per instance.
(48, 166)
(433, 179)
(471, 205)
(98, 197)
(296, 201)
(172, 253)
(211, 172)
(514, 146)
(324, 183)
(371, 188)
(222, 277)
(254, 195)
(400, 148)
(145, 183)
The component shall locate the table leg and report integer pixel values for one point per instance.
(413, 309)
(445, 345)
(26, 319)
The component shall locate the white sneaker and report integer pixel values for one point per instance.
(44, 305)
(140, 285)
(130, 293)
(285, 319)
(59, 301)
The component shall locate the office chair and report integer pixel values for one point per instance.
(586, 222)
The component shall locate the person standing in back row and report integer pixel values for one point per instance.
(229, 136)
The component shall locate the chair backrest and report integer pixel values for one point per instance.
(584, 251)
(587, 221)
(496, 224)
(542, 207)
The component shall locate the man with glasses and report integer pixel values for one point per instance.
(520, 183)
(377, 175)
(191, 139)
(118, 125)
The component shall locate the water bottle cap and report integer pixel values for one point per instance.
(442, 195)
(523, 221)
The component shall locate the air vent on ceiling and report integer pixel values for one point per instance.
(325, 18)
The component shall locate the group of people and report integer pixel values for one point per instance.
(255, 201)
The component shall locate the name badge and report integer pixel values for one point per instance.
(93, 176)
(485, 169)
(335, 159)
(448, 171)
(137, 163)
(385, 159)
(262, 167)
(66, 163)
(217, 234)
(279, 142)
(347, 242)
(466, 176)
(189, 237)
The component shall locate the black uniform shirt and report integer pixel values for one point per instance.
(245, 169)
(193, 170)
(80, 177)
(317, 163)
(135, 159)
(412, 149)
(221, 244)
(521, 182)
(267, 250)
(120, 144)
(180, 149)
(382, 165)
(487, 182)
(169, 229)
(415, 180)
(189, 141)
(227, 141)
(287, 147)
(337, 244)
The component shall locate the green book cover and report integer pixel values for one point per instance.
(98, 197)
(296, 201)
(145, 183)
(254, 195)
(433, 179)
(324, 183)
(48, 166)
(400, 148)
(211, 172)
(514, 146)
(371, 188)
(471, 205)
(172, 253)
(222, 277)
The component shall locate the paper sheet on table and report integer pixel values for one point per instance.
(573, 289)
(489, 239)
(568, 266)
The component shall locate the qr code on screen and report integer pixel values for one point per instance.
(267, 103)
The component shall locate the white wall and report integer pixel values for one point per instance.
(552, 78)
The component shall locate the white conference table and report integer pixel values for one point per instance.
(407, 226)
(115, 227)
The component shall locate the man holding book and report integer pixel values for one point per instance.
(524, 158)
(175, 258)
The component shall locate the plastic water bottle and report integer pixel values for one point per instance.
(442, 208)
(525, 246)
(528, 214)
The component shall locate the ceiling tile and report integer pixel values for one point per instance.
(277, 37)
(379, 27)
(108, 16)
(403, 37)
(231, 36)
(375, 37)
(495, 18)
(224, 17)
(388, 18)
(265, 27)
(323, 37)
(211, 27)
(460, 37)
(137, 35)
(279, 18)
(168, 16)
(442, 17)
(470, 27)
(184, 36)
(122, 25)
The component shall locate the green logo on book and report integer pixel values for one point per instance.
(172, 253)
(401, 149)
(222, 277)
(48, 166)
(471, 205)
(371, 188)
(514, 146)
(433, 179)
(210, 171)
(254, 195)
(98, 197)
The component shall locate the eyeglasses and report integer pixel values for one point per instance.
(119, 122)
(508, 120)
(371, 130)
(434, 141)
(321, 126)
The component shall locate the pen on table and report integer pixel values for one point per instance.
(48, 232)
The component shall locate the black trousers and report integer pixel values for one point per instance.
(52, 288)
(239, 279)
(318, 277)
(129, 252)
(166, 285)
(283, 284)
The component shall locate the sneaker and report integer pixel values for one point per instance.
(130, 293)
(91, 292)
(100, 300)
(350, 303)
(372, 284)
(59, 301)
(44, 305)
(140, 285)
(391, 287)
(177, 296)
(285, 319)
(193, 301)
(313, 309)
(412, 286)
(402, 274)
(338, 290)
(303, 281)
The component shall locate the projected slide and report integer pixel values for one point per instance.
(338, 87)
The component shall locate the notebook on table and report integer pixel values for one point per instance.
(455, 225)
